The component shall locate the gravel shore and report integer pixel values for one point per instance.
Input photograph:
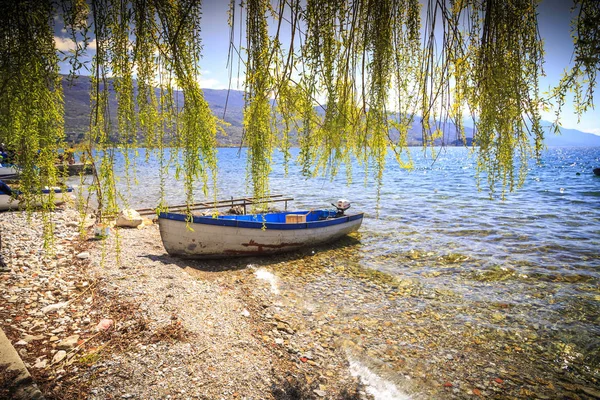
(91, 322)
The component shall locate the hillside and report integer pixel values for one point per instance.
(570, 138)
(77, 110)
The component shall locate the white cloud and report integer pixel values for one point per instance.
(66, 44)
(63, 44)
(211, 83)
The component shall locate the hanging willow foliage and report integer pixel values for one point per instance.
(479, 57)
(349, 78)
(483, 57)
(259, 132)
(507, 68)
(581, 78)
(160, 42)
(497, 76)
(31, 103)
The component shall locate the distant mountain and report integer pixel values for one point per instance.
(77, 119)
(569, 138)
(450, 135)
(77, 109)
(566, 137)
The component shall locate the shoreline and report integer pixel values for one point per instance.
(250, 328)
(212, 335)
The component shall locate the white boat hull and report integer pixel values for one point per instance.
(214, 241)
(8, 171)
(9, 203)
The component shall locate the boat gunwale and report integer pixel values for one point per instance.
(230, 221)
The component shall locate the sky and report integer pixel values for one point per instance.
(555, 28)
(554, 24)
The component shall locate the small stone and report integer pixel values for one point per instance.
(21, 343)
(285, 328)
(41, 364)
(59, 356)
(129, 218)
(104, 325)
(54, 307)
(246, 313)
(320, 393)
(31, 338)
(68, 343)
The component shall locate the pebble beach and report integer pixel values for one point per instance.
(119, 318)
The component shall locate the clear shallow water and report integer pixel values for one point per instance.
(534, 255)
(552, 223)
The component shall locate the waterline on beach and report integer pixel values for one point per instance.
(376, 386)
(265, 275)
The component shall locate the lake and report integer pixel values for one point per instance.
(525, 269)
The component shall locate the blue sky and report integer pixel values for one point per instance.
(554, 24)
(555, 28)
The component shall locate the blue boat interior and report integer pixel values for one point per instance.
(313, 219)
(280, 217)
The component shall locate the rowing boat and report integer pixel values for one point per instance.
(253, 234)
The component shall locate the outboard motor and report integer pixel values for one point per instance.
(341, 206)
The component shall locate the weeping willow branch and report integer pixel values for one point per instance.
(506, 70)
(363, 60)
(259, 133)
(160, 41)
(479, 57)
(580, 79)
(31, 102)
